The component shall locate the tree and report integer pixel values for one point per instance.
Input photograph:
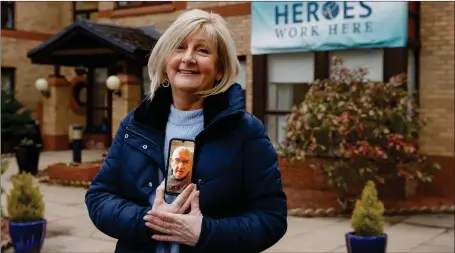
(367, 218)
(16, 119)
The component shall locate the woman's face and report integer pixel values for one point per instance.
(192, 66)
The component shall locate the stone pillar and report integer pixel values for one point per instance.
(57, 114)
(128, 99)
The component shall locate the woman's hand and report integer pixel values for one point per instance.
(181, 228)
(180, 204)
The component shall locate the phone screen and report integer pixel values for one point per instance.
(180, 165)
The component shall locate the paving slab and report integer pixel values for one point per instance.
(446, 239)
(323, 238)
(298, 226)
(432, 220)
(425, 248)
(77, 244)
(80, 226)
(63, 194)
(341, 249)
(404, 237)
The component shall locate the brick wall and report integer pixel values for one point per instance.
(200, 4)
(437, 76)
(160, 21)
(48, 17)
(36, 17)
(238, 25)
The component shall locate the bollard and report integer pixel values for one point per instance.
(77, 143)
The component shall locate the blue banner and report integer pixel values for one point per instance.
(279, 27)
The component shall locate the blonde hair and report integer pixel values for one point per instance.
(187, 23)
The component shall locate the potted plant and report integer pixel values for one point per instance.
(4, 164)
(367, 222)
(27, 226)
(362, 130)
(20, 133)
(27, 156)
(5, 238)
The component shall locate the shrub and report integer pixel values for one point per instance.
(16, 119)
(371, 128)
(25, 201)
(5, 164)
(367, 218)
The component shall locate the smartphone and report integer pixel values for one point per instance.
(179, 165)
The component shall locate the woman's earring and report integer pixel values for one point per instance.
(217, 81)
(166, 83)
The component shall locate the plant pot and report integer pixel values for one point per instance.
(27, 158)
(363, 244)
(8, 143)
(78, 172)
(27, 237)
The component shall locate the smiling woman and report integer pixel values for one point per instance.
(192, 67)
(235, 202)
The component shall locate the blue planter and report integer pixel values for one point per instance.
(364, 244)
(27, 236)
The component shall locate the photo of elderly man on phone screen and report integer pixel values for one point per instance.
(180, 169)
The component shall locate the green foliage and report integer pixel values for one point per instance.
(26, 142)
(371, 128)
(5, 164)
(367, 218)
(16, 120)
(25, 201)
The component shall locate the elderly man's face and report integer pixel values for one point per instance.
(181, 163)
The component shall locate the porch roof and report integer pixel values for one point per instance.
(89, 43)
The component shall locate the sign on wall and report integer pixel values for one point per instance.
(279, 27)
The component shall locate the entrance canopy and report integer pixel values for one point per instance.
(86, 43)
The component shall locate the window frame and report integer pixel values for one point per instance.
(77, 12)
(321, 71)
(12, 5)
(13, 78)
(276, 112)
(242, 58)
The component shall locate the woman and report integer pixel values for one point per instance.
(236, 202)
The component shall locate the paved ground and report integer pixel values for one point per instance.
(70, 229)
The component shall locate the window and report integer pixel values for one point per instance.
(7, 15)
(84, 10)
(145, 82)
(288, 78)
(97, 99)
(128, 4)
(411, 72)
(8, 75)
(372, 59)
(241, 77)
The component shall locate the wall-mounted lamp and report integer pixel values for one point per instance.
(113, 83)
(42, 86)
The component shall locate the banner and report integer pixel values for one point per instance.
(279, 27)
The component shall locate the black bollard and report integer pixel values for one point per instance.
(77, 143)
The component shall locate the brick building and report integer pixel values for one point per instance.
(428, 59)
